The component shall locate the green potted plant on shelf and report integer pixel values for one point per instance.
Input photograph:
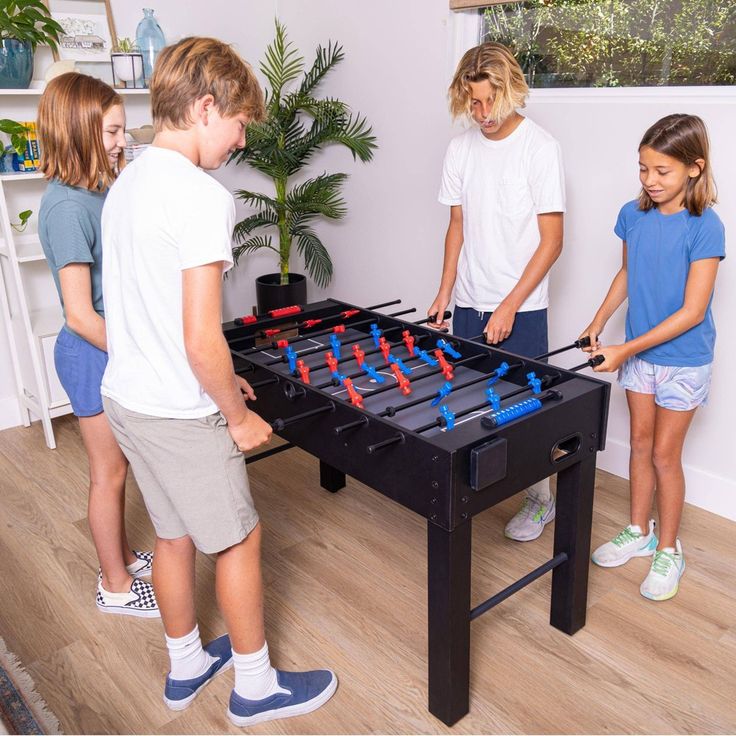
(127, 63)
(23, 25)
(297, 125)
(17, 133)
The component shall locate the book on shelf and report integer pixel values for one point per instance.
(31, 158)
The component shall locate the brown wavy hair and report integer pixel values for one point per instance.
(495, 63)
(70, 116)
(195, 67)
(684, 138)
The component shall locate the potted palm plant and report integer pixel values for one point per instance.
(297, 125)
(23, 25)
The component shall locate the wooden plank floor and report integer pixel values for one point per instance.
(346, 588)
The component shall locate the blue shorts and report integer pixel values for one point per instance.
(680, 388)
(80, 366)
(528, 336)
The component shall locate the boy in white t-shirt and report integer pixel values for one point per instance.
(170, 392)
(504, 183)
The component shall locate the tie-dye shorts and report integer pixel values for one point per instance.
(680, 388)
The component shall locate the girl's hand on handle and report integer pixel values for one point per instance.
(438, 308)
(615, 356)
(593, 331)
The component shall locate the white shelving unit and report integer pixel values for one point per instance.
(28, 300)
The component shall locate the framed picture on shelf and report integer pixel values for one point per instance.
(89, 30)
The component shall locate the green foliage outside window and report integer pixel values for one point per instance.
(618, 43)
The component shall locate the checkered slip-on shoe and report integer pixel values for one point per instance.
(139, 601)
(307, 691)
(140, 568)
(178, 694)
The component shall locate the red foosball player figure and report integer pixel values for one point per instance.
(303, 369)
(385, 348)
(444, 365)
(355, 397)
(331, 361)
(359, 355)
(408, 341)
(404, 386)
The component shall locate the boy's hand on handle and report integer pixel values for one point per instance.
(615, 356)
(250, 432)
(500, 325)
(438, 309)
(593, 332)
(245, 388)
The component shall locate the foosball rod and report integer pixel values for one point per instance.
(376, 351)
(583, 342)
(392, 386)
(391, 411)
(546, 381)
(439, 422)
(320, 348)
(301, 338)
(319, 333)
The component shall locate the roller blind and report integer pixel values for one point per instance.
(469, 4)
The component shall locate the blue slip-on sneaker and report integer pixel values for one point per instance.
(307, 692)
(178, 694)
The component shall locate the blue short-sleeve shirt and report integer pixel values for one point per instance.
(659, 251)
(70, 232)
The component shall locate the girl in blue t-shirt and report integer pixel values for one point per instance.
(81, 124)
(672, 244)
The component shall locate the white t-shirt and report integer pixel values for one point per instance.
(502, 187)
(162, 215)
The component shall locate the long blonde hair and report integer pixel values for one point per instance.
(70, 116)
(496, 64)
(684, 138)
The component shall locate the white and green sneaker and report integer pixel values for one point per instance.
(628, 543)
(529, 522)
(664, 576)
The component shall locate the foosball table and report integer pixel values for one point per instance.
(458, 426)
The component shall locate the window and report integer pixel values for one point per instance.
(618, 43)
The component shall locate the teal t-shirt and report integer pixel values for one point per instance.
(659, 251)
(70, 232)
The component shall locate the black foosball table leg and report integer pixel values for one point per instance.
(448, 564)
(331, 479)
(572, 536)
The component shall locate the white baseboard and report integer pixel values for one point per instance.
(9, 412)
(703, 489)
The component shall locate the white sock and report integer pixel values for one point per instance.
(635, 528)
(255, 678)
(188, 658)
(540, 492)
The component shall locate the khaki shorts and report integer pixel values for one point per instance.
(191, 475)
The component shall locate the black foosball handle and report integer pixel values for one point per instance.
(590, 363)
(432, 319)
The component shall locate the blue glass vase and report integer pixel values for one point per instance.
(16, 64)
(150, 40)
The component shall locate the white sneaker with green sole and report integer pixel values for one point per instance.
(663, 580)
(628, 543)
(529, 522)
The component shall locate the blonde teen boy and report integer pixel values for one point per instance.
(175, 404)
(504, 183)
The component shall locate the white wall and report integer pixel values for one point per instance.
(396, 72)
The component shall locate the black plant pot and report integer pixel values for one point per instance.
(271, 294)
